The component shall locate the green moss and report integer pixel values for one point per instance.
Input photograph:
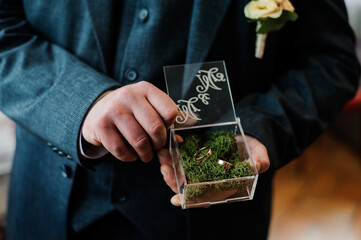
(223, 146)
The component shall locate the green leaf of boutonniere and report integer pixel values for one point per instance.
(271, 24)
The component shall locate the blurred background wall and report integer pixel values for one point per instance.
(348, 126)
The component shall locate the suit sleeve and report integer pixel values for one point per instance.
(317, 74)
(44, 88)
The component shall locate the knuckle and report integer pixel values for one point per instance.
(116, 113)
(143, 84)
(148, 157)
(110, 107)
(142, 143)
(124, 155)
(117, 150)
(171, 113)
(126, 94)
(115, 110)
(158, 135)
(158, 130)
(103, 124)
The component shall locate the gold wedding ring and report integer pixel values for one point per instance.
(225, 164)
(205, 156)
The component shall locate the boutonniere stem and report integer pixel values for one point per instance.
(270, 15)
(260, 43)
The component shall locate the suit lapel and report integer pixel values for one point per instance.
(206, 19)
(102, 20)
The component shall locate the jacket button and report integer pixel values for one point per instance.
(66, 171)
(119, 197)
(131, 75)
(143, 15)
(69, 157)
(61, 153)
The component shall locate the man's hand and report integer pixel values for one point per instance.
(258, 151)
(131, 121)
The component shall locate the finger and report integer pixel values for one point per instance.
(262, 163)
(178, 138)
(259, 154)
(90, 136)
(167, 169)
(135, 135)
(151, 122)
(162, 103)
(91, 131)
(175, 200)
(114, 143)
(168, 176)
(164, 157)
(183, 120)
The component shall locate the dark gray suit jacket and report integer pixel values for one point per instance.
(55, 57)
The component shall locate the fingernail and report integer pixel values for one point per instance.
(175, 200)
(164, 173)
(179, 139)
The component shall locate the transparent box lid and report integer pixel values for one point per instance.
(201, 92)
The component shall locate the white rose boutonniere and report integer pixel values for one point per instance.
(271, 15)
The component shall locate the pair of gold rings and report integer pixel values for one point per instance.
(198, 158)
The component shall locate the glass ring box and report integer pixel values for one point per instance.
(211, 158)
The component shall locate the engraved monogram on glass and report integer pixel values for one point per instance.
(208, 79)
(187, 110)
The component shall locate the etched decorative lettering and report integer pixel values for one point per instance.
(208, 80)
(187, 110)
(204, 97)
